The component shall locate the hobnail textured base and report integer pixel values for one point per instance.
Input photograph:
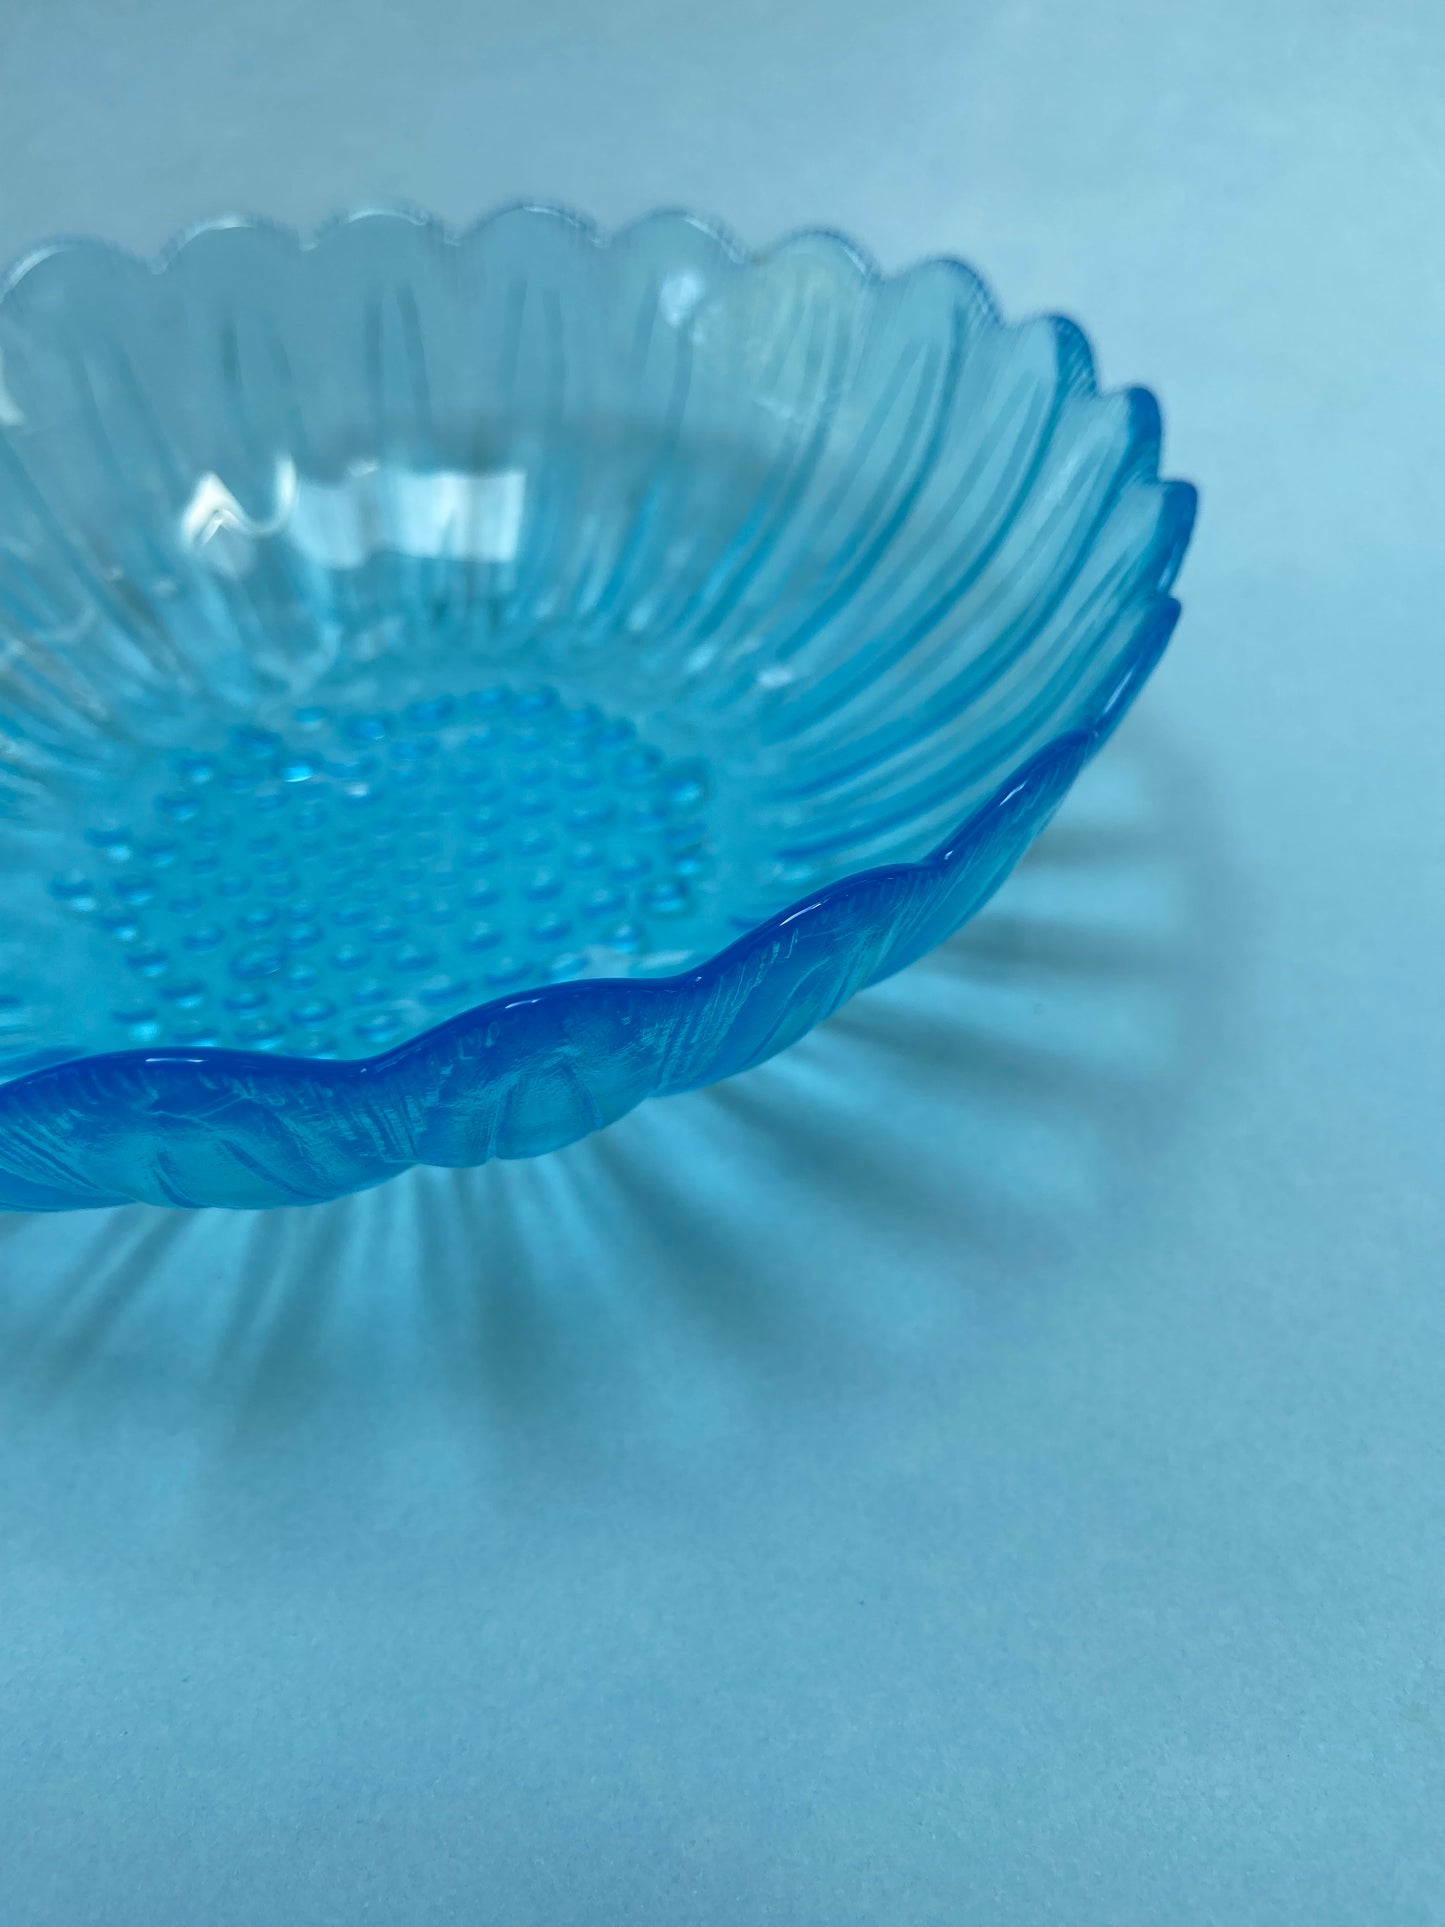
(348, 876)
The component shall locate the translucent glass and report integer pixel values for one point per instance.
(453, 687)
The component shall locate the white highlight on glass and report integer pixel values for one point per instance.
(441, 512)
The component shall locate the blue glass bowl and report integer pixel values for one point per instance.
(453, 687)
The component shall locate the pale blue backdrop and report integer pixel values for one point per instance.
(987, 1465)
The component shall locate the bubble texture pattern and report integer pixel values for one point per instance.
(330, 886)
(454, 687)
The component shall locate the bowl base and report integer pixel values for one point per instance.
(348, 875)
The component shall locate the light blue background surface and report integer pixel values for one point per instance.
(985, 1466)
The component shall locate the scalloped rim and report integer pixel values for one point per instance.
(1071, 747)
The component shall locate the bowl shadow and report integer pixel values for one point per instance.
(960, 1128)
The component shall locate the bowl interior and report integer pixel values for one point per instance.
(399, 621)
